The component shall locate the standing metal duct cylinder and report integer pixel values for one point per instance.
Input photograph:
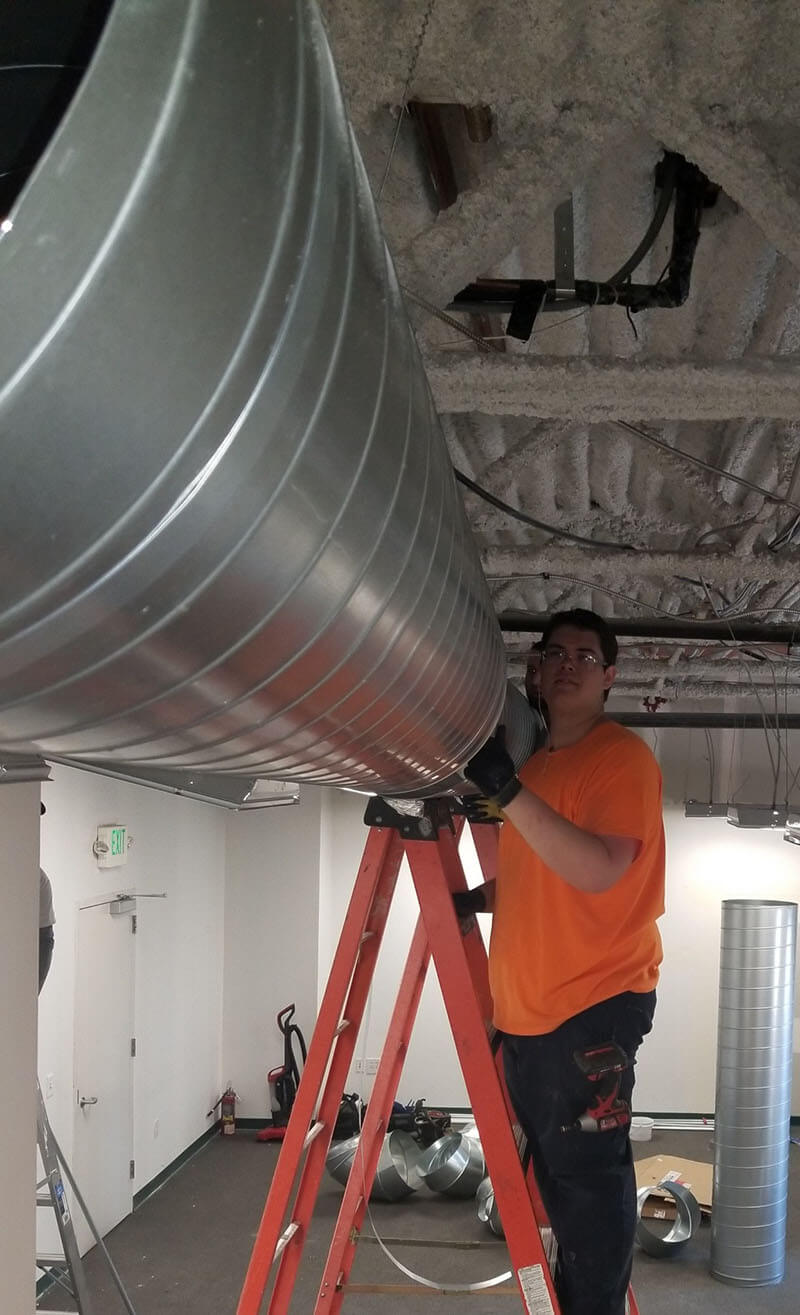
(231, 538)
(754, 1080)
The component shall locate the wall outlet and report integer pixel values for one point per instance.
(360, 1066)
(155, 1129)
(371, 1066)
(49, 1086)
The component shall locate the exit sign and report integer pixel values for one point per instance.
(111, 846)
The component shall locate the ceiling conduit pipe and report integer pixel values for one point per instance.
(231, 537)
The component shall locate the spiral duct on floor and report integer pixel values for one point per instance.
(231, 538)
(754, 1088)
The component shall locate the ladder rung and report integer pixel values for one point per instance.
(285, 1238)
(314, 1131)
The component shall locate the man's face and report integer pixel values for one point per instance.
(571, 673)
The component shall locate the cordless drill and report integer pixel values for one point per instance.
(603, 1066)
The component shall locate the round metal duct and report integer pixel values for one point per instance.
(686, 1224)
(754, 1087)
(231, 535)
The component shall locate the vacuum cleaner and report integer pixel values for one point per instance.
(284, 1081)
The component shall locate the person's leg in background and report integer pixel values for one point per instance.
(587, 1179)
(46, 942)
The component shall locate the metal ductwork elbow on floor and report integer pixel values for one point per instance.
(231, 538)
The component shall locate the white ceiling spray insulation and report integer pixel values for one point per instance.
(231, 538)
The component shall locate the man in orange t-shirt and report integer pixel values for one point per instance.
(575, 950)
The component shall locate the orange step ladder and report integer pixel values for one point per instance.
(430, 843)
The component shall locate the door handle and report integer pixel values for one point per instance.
(87, 1100)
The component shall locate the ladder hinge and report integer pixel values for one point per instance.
(133, 1169)
(133, 1047)
(134, 924)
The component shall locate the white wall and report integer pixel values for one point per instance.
(707, 861)
(179, 848)
(19, 881)
(271, 930)
(431, 1070)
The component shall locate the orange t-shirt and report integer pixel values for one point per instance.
(556, 950)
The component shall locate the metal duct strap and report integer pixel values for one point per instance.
(231, 538)
(754, 1081)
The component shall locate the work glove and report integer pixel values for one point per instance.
(477, 808)
(492, 770)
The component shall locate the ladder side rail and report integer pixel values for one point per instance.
(474, 948)
(362, 1172)
(486, 839)
(66, 1229)
(434, 866)
(344, 998)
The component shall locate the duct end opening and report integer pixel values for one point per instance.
(46, 47)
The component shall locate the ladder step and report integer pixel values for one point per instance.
(313, 1132)
(285, 1238)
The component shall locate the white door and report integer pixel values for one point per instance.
(103, 1145)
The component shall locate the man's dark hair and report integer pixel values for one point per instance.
(583, 619)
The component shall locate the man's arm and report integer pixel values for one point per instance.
(589, 862)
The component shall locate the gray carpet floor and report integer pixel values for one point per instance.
(186, 1248)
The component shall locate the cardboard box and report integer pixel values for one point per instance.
(694, 1174)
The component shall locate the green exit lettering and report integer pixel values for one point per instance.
(118, 840)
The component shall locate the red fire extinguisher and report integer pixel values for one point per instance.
(227, 1110)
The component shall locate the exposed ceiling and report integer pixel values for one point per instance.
(584, 100)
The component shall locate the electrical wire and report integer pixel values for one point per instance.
(530, 520)
(711, 764)
(557, 323)
(778, 743)
(784, 537)
(435, 1284)
(706, 465)
(654, 227)
(637, 602)
(603, 589)
(406, 88)
(485, 344)
(786, 723)
(724, 529)
(762, 708)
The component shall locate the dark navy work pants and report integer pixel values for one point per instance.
(586, 1179)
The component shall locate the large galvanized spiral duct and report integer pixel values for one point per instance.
(754, 1081)
(231, 539)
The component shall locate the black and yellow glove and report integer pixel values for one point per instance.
(477, 808)
(492, 770)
